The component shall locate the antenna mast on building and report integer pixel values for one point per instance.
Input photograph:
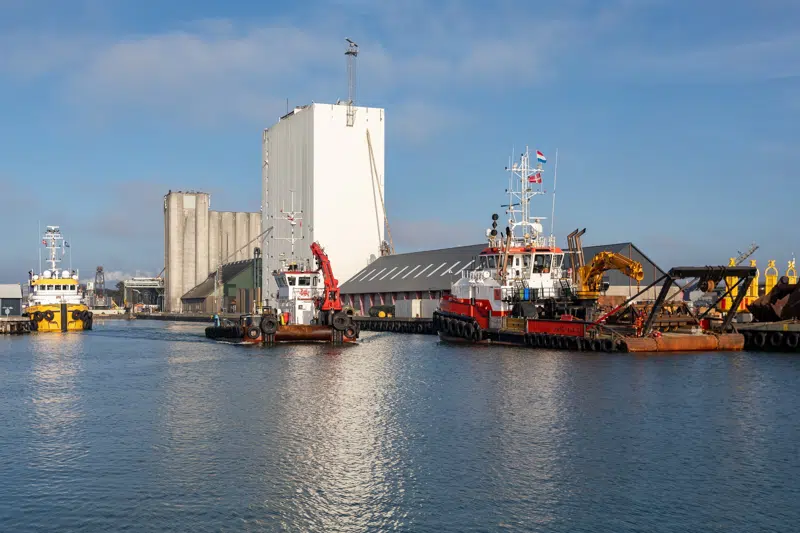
(352, 54)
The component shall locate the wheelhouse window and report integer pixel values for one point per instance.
(491, 261)
(50, 287)
(291, 280)
(557, 259)
(304, 281)
(541, 263)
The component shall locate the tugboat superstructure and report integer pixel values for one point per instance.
(521, 271)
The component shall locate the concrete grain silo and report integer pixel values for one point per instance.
(317, 158)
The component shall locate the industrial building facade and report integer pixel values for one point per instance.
(429, 275)
(319, 184)
(231, 292)
(10, 299)
(197, 240)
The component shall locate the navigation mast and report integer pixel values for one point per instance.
(525, 182)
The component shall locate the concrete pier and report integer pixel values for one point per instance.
(14, 325)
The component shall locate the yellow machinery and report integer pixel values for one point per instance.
(752, 290)
(731, 282)
(590, 277)
(791, 272)
(770, 276)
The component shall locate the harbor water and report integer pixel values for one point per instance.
(147, 426)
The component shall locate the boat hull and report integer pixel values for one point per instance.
(292, 333)
(53, 318)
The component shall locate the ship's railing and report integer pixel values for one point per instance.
(529, 294)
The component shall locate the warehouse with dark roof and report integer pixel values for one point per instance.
(429, 275)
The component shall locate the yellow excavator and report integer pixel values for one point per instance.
(588, 279)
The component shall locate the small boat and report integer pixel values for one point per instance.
(308, 309)
(55, 302)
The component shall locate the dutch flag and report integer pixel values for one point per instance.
(540, 157)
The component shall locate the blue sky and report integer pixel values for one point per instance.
(676, 122)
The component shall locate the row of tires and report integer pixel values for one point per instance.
(574, 344)
(772, 340)
(421, 328)
(471, 331)
(468, 330)
(48, 316)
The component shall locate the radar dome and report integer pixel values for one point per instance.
(65, 274)
(35, 277)
(75, 277)
(47, 274)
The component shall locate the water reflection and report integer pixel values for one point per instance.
(149, 426)
(343, 444)
(57, 444)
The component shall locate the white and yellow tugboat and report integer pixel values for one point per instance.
(54, 301)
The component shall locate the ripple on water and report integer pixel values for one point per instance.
(148, 426)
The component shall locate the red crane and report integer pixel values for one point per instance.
(330, 301)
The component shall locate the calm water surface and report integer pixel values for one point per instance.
(149, 427)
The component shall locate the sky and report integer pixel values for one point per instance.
(676, 123)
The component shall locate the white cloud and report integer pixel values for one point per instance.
(741, 61)
(419, 121)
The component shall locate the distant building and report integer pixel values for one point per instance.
(233, 292)
(429, 275)
(197, 240)
(11, 299)
(317, 169)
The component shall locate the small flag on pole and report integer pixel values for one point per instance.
(535, 178)
(540, 157)
(44, 242)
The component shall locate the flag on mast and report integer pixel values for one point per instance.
(540, 157)
(535, 178)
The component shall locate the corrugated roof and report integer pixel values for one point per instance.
(206, 288)
(435, 270)
(11, 290)
(432, 270)
(628, 249)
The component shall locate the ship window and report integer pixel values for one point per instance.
(315, 281)
(491, 261)
(516, 260)
(49, 287)
(557, 261)
(304, 281)
(526, 260)
(291, 280)
(541, 263)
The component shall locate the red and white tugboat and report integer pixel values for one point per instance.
(518, 285)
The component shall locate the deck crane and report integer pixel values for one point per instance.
(591, 275)
(386, 247)
(330, 304)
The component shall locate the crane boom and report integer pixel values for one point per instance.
(387, 248)
(591, 276)
(331, 300)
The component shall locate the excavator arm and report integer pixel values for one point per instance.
(330, 300)
(590, 276)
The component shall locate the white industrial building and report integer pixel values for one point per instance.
(317, 169)
(197, 240)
